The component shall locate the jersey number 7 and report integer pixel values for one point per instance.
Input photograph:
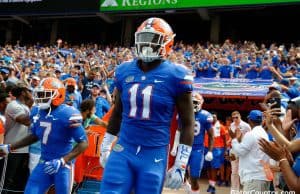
(47, 131)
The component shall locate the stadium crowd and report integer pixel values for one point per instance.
(87, 71)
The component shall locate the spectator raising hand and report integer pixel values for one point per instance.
(276, 151)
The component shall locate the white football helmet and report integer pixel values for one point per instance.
(50, 91)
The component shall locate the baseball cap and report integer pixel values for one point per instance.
(292, 67)
(255, 115)
(4, 70)
(293, 78)
(36, 78)
(58, 70)
(295, 100)
(70, 82)
(275, 86)
(96, 85)
(285, 82)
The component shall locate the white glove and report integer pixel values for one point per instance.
(105, 148)
(209, 156)
(175, 144)
(175, 176)
(4, 150)
(52, 166)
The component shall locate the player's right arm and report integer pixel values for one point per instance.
(28, 140)
(7, 148)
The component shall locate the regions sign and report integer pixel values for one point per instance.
(140, 5)
(40, 7)
(232, 88)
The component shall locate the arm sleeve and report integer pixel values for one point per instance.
(183, 81)
(79, 134)
(15, 111)
(93, 117)
(244, 147)
(75, 125)
(106, 106)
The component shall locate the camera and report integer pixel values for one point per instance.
(275, 102)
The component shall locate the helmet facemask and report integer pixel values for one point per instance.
(197, 106)
(197, 102)
(149, 45)
(43, 97)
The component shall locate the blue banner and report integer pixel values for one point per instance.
(232, 87)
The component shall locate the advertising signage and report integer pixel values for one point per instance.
(52, 7)
(19, 7)
(136, 5)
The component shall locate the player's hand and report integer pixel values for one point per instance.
(175, 177)
(52, 166)
(209, 156)
(4, 150)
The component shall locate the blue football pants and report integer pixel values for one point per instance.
(131, 167)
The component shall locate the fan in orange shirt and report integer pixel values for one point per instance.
(218, 151)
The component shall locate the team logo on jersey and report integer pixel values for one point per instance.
(129, 79)
(118, 148)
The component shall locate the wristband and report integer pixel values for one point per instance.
(281, 160)
(183, 155)
(107, 141)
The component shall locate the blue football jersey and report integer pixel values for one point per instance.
(148, 101)
(203, 122)
(58, 130)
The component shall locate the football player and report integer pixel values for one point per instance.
(148, 90)
(57, 126)
(203, 123)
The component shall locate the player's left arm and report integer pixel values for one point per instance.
(5, 149)
(77, 150)
(79, 136)
(185, 109)
(210, 134)
(28, 140)
(175, 175)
